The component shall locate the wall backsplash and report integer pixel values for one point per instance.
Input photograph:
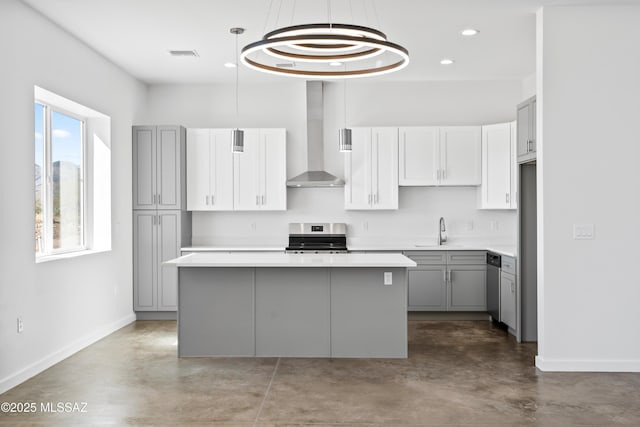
(416, 219)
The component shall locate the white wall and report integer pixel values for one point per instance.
(368, 104)
(65, 304)
(588, 151)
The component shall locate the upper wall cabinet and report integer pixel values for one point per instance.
(498, 187)
(260, 173)
(447, 156)
(371, 169)
(158, 167)
(526, 117)
(209, 170)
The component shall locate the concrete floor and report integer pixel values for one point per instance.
(458, 373)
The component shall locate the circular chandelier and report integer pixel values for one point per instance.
(327, 51)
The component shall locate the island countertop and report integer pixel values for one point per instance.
(281, 259)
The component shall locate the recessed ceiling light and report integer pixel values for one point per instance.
(447, 61)
(230, 64)
(469, 32)
(335, 64)
(184, 53)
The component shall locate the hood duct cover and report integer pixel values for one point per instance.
(315, 176)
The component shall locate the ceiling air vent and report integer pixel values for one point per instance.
(184, 53)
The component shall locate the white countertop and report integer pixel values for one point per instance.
(231, 248)
(281, 259)
(357, 245)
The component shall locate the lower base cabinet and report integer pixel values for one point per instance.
(292, 312)
(508, 299)
(447, 281)
(157, 237)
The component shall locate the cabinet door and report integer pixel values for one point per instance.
(467, 288)
(220, 173)
(273, 173)
(198, 167)
(418, 155)
(514, 166)
(460, 160)
(357, 171)
(508, 299)
(496, 167)
(384, 168)
(144, 260)
(532, 124)
(168, 176)
(144, 167)
(427, 288)
(168, 248)
(526, 118)
(246, 173)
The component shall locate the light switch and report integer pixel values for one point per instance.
(388, 278)
(583, 231)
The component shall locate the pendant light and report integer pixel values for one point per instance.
(308, 50)
(344, 134)
(237, 135)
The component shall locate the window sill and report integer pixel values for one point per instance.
(67, 255)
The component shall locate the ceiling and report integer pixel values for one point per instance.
(137, 34)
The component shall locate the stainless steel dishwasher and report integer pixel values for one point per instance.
(494, 264)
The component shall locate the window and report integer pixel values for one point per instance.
(59, 177)
(72, 179)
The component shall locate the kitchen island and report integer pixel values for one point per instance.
(292, 305)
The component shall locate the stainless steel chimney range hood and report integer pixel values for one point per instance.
(315, 176)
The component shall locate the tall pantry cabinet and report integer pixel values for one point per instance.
(161, 224)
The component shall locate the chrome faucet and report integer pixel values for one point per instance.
(442, 235)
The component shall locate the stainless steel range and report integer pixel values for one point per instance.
(317, 238)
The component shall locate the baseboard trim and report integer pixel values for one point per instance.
(156, 315)
(585, 365)
(447, 315)
(58, 356)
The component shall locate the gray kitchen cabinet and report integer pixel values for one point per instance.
(508, 299)
(428, 288)
(217, 315)
(526, 133)
(160, 226)
(447, 281)
(159, 167)
(278, 310)
(157, 237)
(508, 292)
(467, 288)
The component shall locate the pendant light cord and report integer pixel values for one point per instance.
(237, 75)
(329, 13)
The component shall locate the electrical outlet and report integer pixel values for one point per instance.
(365, 225)
(388, 278)
(583, 231)
(493, 225)
(20, 325)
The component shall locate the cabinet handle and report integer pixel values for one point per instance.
(207, 200)
(529, 141)
(444, 276)
(369, 199)
(213, 199)
(159, 199)
(154, 199)
(257, 200)
(513, 290)
(159, 219)
(449, 276)
(444, 174)
(262, 199)
(506, 198)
